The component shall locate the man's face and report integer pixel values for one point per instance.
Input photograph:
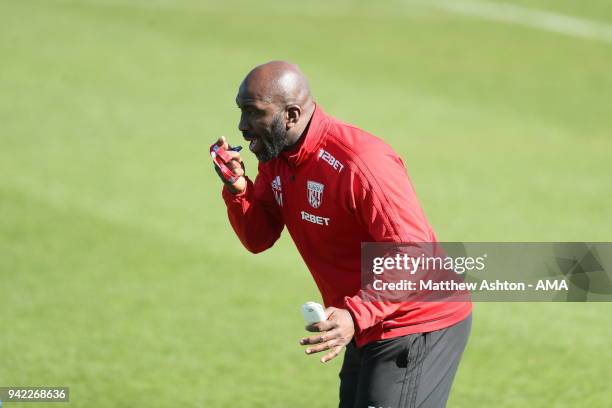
(263, 125)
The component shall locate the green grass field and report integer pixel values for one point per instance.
(119, 274)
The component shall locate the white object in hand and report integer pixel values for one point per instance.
(313, 312)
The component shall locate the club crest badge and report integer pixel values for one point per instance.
(315, 193)
(277, 190)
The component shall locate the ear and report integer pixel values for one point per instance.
(293, 113)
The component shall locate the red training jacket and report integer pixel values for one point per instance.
(339, 187)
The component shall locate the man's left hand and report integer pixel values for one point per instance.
(334, 333)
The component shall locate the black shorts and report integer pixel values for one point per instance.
(416, 370)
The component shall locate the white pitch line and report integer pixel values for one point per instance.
(540, 19)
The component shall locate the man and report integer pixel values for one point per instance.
(335, 186)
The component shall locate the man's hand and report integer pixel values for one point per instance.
(334, 333)
(235, 165)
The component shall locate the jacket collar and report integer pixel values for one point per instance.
(311, 139)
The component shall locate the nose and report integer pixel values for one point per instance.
(243, 124)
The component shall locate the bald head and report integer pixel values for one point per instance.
(276, 107)
(278, 82)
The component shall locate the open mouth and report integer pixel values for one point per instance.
(253, 142)
(253, 145)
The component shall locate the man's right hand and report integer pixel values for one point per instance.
(235, 165)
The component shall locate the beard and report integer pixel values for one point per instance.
(277, 140)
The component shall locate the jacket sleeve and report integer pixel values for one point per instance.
(254, 214)
(387, 207)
